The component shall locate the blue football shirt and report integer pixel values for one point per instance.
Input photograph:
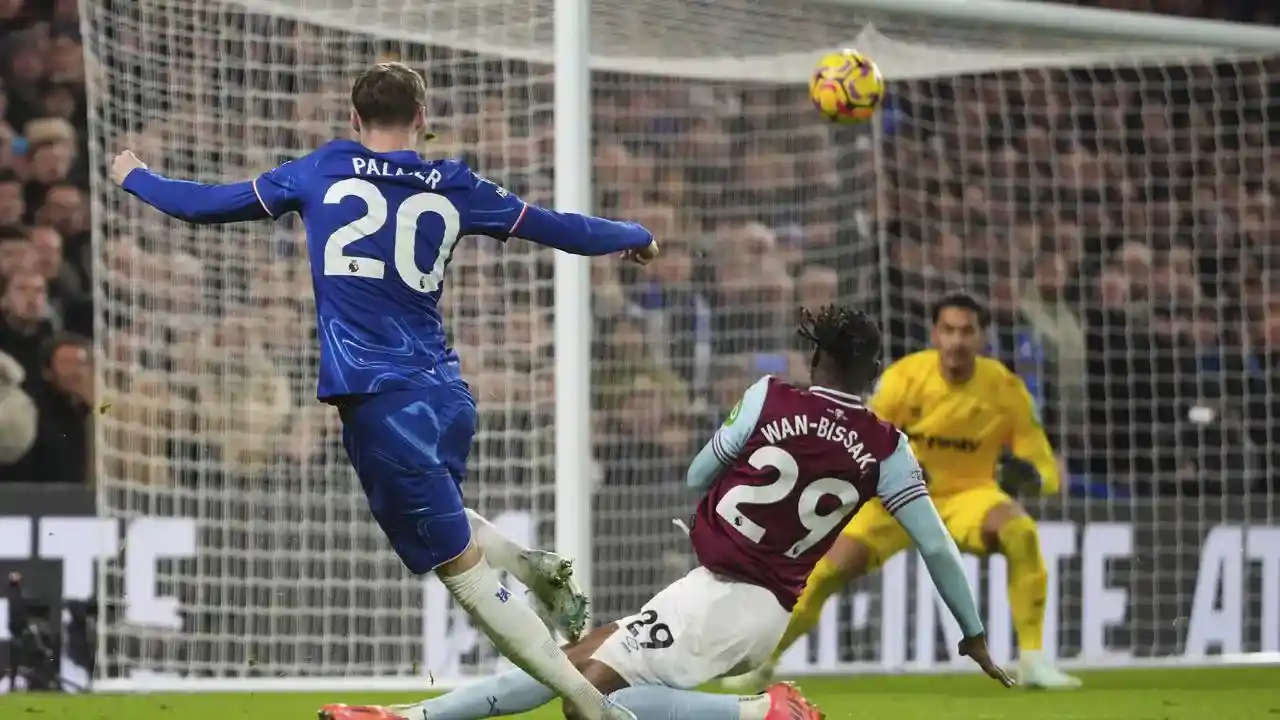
(381, 230)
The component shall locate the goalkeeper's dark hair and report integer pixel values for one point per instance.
(846, 345)
(388, 95)
(962, 301)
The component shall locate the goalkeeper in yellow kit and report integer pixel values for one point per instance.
(964, 415)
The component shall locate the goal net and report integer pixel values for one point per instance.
(1112, 197)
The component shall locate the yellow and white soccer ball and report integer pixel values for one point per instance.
(846, 87)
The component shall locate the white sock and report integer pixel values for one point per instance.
(498, 549)
(520, 636)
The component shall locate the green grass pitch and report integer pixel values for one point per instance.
(1251, 693)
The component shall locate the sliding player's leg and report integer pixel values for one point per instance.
(646, 649)
(660, 702)
(986, 520)
(517, 632)
(689, 634)
(515, 692)
(547, 575)
(510, 693)
(409, 450)
(654, 702)
(869, 539)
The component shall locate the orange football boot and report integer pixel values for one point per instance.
(786, 703)
(357, 712)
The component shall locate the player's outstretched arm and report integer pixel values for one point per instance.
(586, 235)
(190, 201)
(723, 447)
(903, 492)
(499, 213)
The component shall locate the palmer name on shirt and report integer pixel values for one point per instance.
(797, 425)
(382, 168)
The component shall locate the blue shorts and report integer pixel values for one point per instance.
(409, 449)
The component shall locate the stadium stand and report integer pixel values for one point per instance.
(1133, 331)
(45, 316)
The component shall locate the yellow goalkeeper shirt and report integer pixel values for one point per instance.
(958, 431)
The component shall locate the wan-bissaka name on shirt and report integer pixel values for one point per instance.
(784, 428)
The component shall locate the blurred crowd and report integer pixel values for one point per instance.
(1118, 219)
(46, 320)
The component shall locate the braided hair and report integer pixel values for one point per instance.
(847, 337)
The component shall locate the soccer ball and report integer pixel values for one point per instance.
(846, 87)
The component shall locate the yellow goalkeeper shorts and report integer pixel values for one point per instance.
(963, 513)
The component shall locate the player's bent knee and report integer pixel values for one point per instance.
(465, 560)
(601, 676)
(1018, 537)
(435, 534)
(581, 652)
(1006, 519)
(604, 678)
(1003, 512)
(436, 538)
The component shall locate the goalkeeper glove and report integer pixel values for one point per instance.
(1017, 476)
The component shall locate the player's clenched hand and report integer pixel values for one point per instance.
(975, 648)
(123, 164)
(644, 255)
(1017, 476)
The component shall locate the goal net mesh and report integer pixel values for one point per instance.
(1004, 161)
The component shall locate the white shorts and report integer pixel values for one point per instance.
(697, 629)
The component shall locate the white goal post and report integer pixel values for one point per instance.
(593, 384)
